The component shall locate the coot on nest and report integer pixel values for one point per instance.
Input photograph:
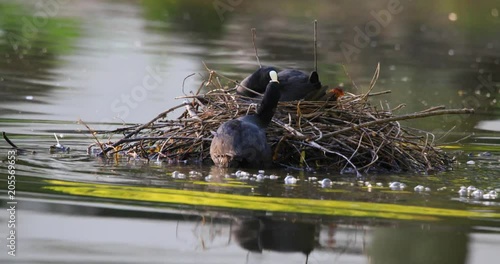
(242, 142)
(256, 81)
(295, 84)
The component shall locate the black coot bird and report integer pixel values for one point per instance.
(256, 81)
(242, 142)
(295, 84)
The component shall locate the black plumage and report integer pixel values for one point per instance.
(242, 142)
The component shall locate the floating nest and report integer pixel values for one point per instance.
(348, 135)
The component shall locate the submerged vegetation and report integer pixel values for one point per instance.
(349, 135)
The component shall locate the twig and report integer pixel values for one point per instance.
(380, 93)
(460, 140)
(213, 73)
(254, 34)
(432, 109)
(189, 108)
(183, 82)
(93, 133)
(8, 140)
(399, 118)
(137, 130)
(317, 129)
(316, 45)
(147, 139)
(447, 133)
(356, 150)
(314, 144)
(373, 81)
(398, 107)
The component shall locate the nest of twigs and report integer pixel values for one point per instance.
(347, 135)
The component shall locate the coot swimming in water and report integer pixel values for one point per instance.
(295, 84)
(242, 142)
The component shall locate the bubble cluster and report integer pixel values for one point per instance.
(421, 188)
(397, 186)
(312, 179)
(476, 193)
(326, 183)
(194, 174)
(289, 179)
(260, 176)
(241, 174)
(491, 195)
(273, 177)
(178, 175)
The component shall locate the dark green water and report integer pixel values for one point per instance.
(115, 62)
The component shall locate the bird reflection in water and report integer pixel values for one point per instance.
(262, 233)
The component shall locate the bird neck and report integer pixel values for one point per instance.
(267, 107)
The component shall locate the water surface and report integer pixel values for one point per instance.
(111, 63)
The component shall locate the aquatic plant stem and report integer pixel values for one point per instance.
(316, 45)
(254, 35)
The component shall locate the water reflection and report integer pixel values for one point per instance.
(263, 233)
(420, 244)
(29, 51)
(195, 19)
(91, 59)
(50, 228)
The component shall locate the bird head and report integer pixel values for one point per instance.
(335, 93)
(274, 76)
(338, 92)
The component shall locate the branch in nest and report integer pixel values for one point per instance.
(314, 144)
(399, 118)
